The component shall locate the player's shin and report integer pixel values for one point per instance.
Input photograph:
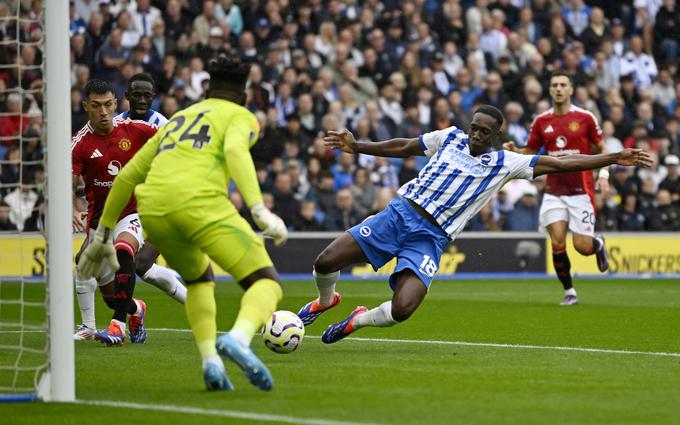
(124, 282)
(563, 268)
(85, 289)
(325, 283)
(380, 317)
(201, 311)
(166, 280)
(257, 305)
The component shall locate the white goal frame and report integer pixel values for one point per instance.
(58, 383)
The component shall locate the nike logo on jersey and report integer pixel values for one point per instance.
(549, 129)
(96, 154)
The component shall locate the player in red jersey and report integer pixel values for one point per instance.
(568, 202)
(140, 91)
(98, 153)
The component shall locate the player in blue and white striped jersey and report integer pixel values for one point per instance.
(140, 91)
(459, 179)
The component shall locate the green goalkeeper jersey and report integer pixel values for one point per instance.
(190, 162)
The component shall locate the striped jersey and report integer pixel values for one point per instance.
(152, 117)
(455, 185)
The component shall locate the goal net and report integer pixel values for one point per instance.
(33, 203)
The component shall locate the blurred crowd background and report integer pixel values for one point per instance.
(382, 69)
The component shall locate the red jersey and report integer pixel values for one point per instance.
(572, 133)
(99, 159)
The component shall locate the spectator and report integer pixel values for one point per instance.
(493, 94)
(205, 21)
(21, 202)
(524, 216)
(343, 170)
(112, 56)
(605, 219)
(363, 190)
(596, 32)
(484, 221)
(577, 15)
(345, 214)
(672, 181)
(408, 171)
(306, 219)
(628, 217)
(515, 129)
(230, 13)
(143, 16)
(5, 222)
(287, 206)
(666, 28)
(666, 216)
(638, 64)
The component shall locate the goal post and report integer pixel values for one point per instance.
(59, 382)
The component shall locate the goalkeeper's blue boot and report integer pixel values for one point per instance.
(338, 331)
(114, 335)
(136, 323)
(312, 309)
(216, 378)
(256, 372)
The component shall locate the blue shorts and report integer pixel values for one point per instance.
(400, 231)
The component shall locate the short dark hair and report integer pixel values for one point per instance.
(493, 112)
(562, 73)
(228, 72)
(142, 76)
(97, 87)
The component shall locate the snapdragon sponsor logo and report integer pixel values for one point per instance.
(99, 183)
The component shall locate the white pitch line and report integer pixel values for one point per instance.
(482, 344)
(236, 414)
(459, 343)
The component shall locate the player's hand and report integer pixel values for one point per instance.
(270, 223)
(602, 184)
(341, 140)
(77, 221)
(99, 250)
(510, 146)
(634, 157)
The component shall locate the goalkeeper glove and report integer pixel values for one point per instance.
(270, 223)
(100, 249)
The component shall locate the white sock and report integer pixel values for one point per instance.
(380, 317)
(214, 359)
(325, 283)
(85, 289)
(166, 280)
(570, 291)
(242, 339)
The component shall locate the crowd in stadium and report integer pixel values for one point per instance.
(382, 69)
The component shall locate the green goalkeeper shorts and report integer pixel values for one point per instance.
(188, 239)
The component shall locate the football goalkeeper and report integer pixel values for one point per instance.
(180, 178)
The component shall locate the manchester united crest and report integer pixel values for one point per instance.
(124, 144)
(573, 126)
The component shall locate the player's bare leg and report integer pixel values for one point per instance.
(558, 239)
(120, 298)
(409, 293)
(342, 252)
(589, 245)
(161, 277)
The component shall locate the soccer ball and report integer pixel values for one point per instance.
(283, 332)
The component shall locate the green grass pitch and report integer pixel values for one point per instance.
(520, 377)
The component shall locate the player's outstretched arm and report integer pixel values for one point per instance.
(630, 157)
(395, 148)
(510, 146)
